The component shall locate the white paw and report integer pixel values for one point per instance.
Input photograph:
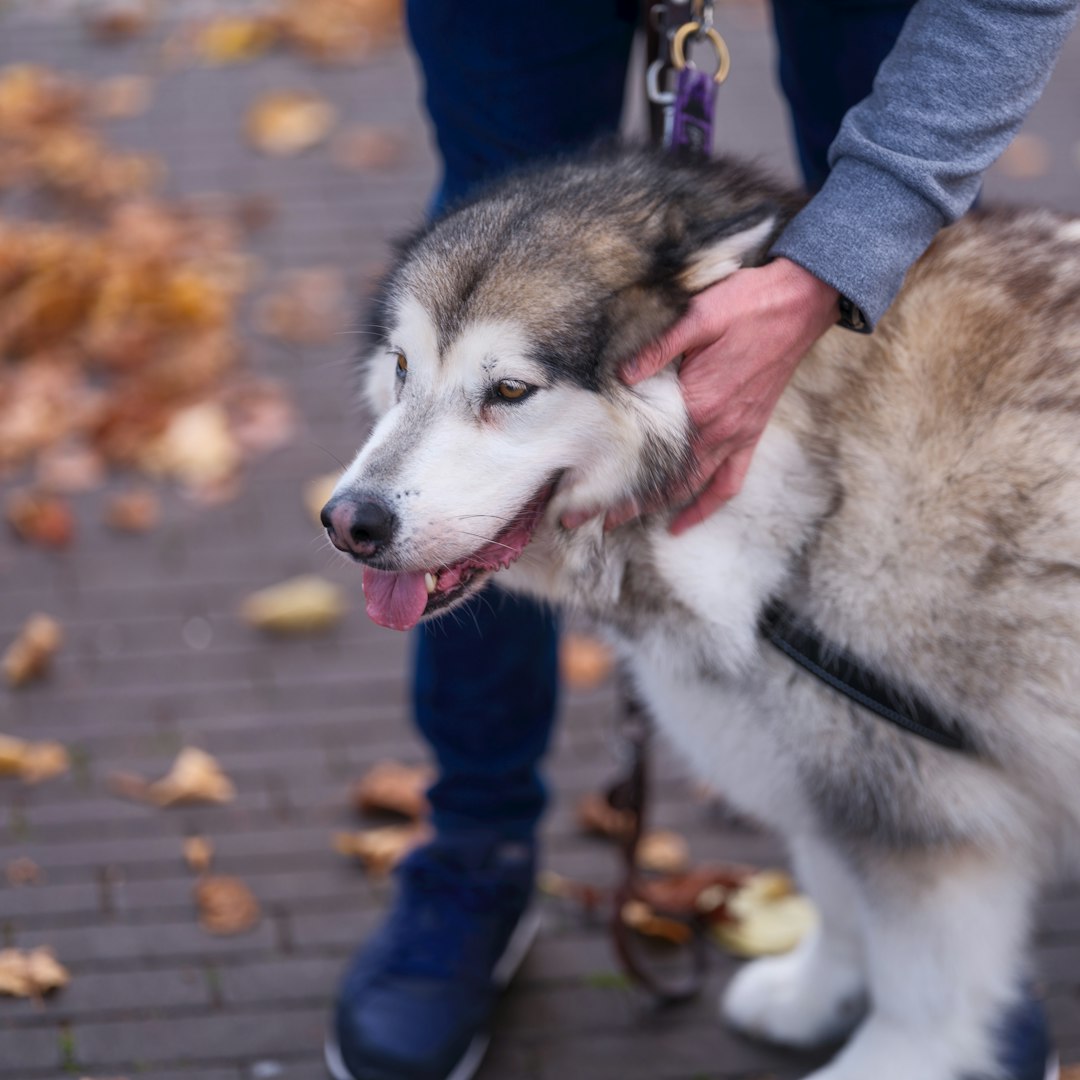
(794, 1001)
(886, 1051)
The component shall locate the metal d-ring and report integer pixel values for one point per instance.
(678, 48)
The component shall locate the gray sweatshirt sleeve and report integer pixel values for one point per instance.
(908, 159)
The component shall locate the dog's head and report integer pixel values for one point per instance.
(495, 374)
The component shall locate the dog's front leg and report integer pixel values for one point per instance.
(945, 938)
(815, 995)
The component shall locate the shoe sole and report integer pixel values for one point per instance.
(1053, 1069)
(517, 948)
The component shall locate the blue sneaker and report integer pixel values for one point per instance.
(1024, 1046)
(416, 1002)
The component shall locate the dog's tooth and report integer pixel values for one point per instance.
(429, 581)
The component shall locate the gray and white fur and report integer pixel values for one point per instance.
(916, 497)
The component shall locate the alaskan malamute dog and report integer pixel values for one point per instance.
(915, 500)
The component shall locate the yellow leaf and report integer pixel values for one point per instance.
(28, 657)
(302, 605)
(288, 122)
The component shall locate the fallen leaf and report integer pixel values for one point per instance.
(302, 605)
(584, 662)
(767, 917)
(116, 20)
(70, 467)
(366, 148)
(287, 122)
(337, 31)
(1025, 158)
(589, 898)
(195, 777)
(28, 657)
(390, 787)
(32, 973)
(122, 97)
(255, 212)
(380, 850)
(32, 761)
(261, 416)
(641, 918)
(197, 447)
(306, 307)
(135, 511)
(198, 854)
(23, 871)
(1070, 1072)
(226, 905)
(37, 518)
(597, 817)
(663, 852)
(317, 492)
(232, 39)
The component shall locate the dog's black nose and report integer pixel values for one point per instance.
(358, 527)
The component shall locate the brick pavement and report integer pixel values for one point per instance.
(156, 658)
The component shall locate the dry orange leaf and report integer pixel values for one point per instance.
(28, 657)
(287, 122)
(301, 605)
(197, 447)
(640, 917)
(261, 416)
(365, 147)
(122, 97)
(23, 871)
(663, 852)
(30, 761)
(598, 817)
(135, 511)
(307, 307)
(380, 850)
(392, 787)
(195, 777)
(232, 39)
(117, 20)
(334, 31)
(584, 662)
(226, 905)
(198, 853)
(766, 916)
(32, 973)
(70, 467)
(37, 518)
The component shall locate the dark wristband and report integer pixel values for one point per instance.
(852, 318)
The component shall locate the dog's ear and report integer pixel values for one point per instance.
(713, 252)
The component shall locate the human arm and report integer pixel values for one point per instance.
(908, 160)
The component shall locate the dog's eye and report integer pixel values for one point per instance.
(402, 366)
(512, 389)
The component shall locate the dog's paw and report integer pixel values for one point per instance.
(794, 1001)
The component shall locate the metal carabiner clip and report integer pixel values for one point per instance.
(678, 48)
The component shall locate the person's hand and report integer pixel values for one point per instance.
(740, 341)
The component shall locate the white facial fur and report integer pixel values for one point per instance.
(458, 466)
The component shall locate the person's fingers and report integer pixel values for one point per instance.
(688, 333)
(723, 486)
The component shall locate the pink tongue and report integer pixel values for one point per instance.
(395, 601)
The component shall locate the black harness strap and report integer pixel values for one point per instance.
(845, 674)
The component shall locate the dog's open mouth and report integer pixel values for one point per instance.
(399, 600)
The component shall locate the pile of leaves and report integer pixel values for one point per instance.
(326, 31)
(47, 145)
(117, 318)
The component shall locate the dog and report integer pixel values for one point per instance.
(915, 499)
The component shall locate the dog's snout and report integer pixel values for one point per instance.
(358, 526)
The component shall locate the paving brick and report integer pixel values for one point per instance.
(212, 1037)
(96, 993)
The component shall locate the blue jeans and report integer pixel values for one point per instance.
(505, 84)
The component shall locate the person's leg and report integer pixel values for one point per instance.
(504, 84)
(829, 52)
